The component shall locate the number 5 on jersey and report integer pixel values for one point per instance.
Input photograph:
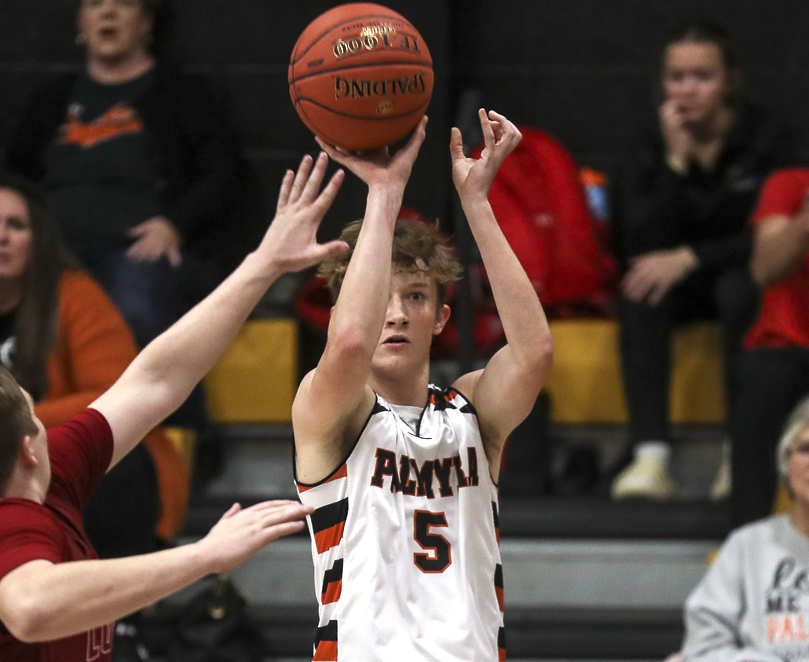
(440, 553)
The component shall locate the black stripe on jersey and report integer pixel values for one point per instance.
(335, 574)
(329, 633)
(440, 399)
(329, 515)
(498, 575)
(496, 517)
(501, 639)
(378, 409)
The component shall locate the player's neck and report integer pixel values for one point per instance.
(410, 390)
(26, 485)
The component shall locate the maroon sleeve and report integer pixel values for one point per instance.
(28, 532)
(80, 452)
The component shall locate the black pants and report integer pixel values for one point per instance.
(769, 383)
(645, 335)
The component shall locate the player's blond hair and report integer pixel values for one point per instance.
(418, 246)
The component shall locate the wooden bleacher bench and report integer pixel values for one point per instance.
(585, 381)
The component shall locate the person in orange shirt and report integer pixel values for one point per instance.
(66, 343)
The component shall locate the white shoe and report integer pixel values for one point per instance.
(647, 476)
(722, 482)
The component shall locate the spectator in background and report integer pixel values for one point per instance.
(66, 343)
(752, 603)
(773, 371)
(686, 200)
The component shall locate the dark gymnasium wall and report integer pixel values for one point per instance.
(579, 69)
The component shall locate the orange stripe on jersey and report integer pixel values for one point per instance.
(501, 651)
(501, 598)
(332, 593)
(328, 538)
(326, 651)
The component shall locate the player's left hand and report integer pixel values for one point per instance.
(155, 238)
(291, 244)
(474, 177)
(652, 275)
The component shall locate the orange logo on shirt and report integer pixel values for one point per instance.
(117, 121)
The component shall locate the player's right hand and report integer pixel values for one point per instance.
(379, 168)
(240, 533)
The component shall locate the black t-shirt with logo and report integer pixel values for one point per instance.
(100, 175)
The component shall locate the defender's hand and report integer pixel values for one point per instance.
(473, 177)
(379, 168)
(291, 241)
(239, 534)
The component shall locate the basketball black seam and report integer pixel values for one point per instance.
(295, 59)
(362, 66)
(357, 117)
(332, 27)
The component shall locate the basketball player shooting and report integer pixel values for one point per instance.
(401, 475)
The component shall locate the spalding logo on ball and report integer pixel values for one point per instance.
(360, 76)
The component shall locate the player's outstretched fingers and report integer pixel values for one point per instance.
(286, 187)
(312, 184)
(301, 177)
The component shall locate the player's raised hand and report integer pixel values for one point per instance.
(473, 177)
(240, 533)
(379, 167)
(290, 243)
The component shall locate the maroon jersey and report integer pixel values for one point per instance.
(80, 453)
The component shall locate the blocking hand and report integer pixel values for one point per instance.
(474, 177)
(291, 241)
(240, 533)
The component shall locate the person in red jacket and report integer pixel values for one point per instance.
(57, 600)
(772, 374)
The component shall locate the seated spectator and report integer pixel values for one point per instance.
(65, 342)
(752, 604)
(140, 169)
(686, 200)
(772, 373)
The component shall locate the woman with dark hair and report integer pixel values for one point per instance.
(66, 344)
(136, 162)
(686, 197)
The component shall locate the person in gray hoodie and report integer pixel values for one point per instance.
(753, 603)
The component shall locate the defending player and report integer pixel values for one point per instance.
(402, 476)
(57, 600)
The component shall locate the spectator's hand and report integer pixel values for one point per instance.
(379, 168)
(239, 534)
(155, 238)
(290, 244)
(678, 139)
(474, 177)
(652, 275)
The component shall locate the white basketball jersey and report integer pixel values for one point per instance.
(405, 542)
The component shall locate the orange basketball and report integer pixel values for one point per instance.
(360, 76)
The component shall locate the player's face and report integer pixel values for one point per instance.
(412, 319)
(799, 467)
(16, 236)
(114, 29)
(696, 79)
